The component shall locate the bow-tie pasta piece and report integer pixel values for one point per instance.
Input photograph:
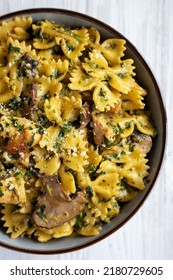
(144, 123)
(94, 35)
(16, 223)
(135, 169)
(73, 150)
(54, 69)
(113, 50)
(79, 80)
(73, 43)
(96, 65)
(134, 99)
(108, 209)
(67, 179)
(104, 98)
(16, 28)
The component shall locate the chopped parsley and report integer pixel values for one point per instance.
(128, 125)
(14, 103)
(80, 222)
(112, 46)
(40, 212)
(17, 125)
(91, 168)
(114, 127)
(89, 191)
(114, 156)
(56, 74)
(1, 127)
(32, 140)
(70, 47)
(39, 34)
(1, 191)
(15, 229)
(122, 75)
(123, 65)
(40, 129)
(12, 49)
(94, 65)
(102, 95)
(56, 50)
(120, 128)
(66, 128)
(108, 143)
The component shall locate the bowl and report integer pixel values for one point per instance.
(153, 101)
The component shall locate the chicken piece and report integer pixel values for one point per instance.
(15, 144)
(55, 207)
(17, 134)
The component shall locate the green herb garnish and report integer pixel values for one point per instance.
(1, 192)
(14, 104)
(15, 229)
(40, 212)
(11, 49)
(89, 191)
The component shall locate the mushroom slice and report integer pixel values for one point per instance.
(141, 141)
(55, 207)
(27, 66)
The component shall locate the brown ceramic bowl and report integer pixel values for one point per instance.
(154, 102)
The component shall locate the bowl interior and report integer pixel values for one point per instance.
(145, 79)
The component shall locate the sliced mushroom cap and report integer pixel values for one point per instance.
(27, 66)
(55, 207)
(141, 141)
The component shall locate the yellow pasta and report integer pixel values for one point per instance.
(16, 28)
(15, 222)
(74, 130)
(67, 180)
(43, 235)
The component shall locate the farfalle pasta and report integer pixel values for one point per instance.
(74, 129)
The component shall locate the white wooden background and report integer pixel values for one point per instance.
(148, 24)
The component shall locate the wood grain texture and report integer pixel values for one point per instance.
(148, 25)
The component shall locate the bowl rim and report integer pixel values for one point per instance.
(106, 26)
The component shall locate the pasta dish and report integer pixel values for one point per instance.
(74, 129)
